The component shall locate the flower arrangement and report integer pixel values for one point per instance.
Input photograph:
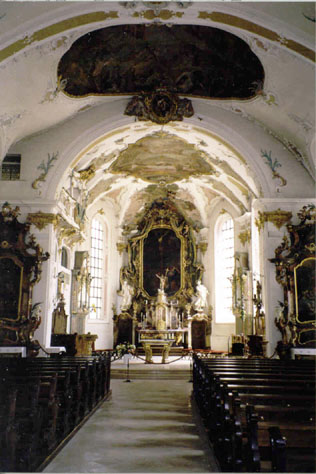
(124, 348)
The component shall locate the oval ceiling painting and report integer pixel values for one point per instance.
(189, 60)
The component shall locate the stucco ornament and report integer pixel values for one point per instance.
(159, 107)
(44, 167)
(273, 165)
(278, 218)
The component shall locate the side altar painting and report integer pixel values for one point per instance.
(295, 260)
(161, 282)
(20, 268)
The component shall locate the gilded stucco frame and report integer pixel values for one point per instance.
(297, 312)
(141, 258)
(163, 215)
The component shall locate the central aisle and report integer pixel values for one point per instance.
(147, 426)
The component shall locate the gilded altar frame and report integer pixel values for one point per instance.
(141, 257)
(162, 215)
(305, 300)
(20, 266)
(295, 260)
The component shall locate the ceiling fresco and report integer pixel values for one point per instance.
(186, 59)
(161, 158)
(133, 167)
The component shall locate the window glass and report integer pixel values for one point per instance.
(64, 257)
(11, 166)
(224, 268)
(96, 268)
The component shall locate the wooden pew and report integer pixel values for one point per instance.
(7, 430)
(68, 389)
(231, 422)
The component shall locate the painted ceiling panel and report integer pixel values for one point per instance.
(161, 158)
(186, 59)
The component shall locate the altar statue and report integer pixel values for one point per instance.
(127, 294)
(202, 293)
(163, 280)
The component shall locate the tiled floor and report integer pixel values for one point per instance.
(149, 425)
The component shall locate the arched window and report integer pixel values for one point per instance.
(96, 269)
(224, 268)
(64, 257)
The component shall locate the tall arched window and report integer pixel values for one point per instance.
(64, 257)
(96, 269)
(224, 268)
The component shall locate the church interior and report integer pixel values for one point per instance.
(157, 201)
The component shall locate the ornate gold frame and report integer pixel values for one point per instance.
(304, 331)
(141, 259)
(162, 214)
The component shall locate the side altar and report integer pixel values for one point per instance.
(163, 303)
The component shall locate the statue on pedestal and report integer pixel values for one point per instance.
(127, 294)
(202, 293)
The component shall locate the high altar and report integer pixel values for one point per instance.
(163, 302)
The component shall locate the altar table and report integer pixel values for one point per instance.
(165, 344)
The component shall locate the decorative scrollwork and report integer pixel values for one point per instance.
(160, 107)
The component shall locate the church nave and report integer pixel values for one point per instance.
(147, 426)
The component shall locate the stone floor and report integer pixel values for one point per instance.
(149, 425)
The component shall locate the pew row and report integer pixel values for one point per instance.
(259, 413)
(44, 400)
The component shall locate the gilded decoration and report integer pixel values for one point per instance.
(41, 219)
(245, 236)
(56, 29)
(202, 246)
(182, 59)
(163, 248)
(295, 271)
(99, 16)
(162, 158)
(21, 259)
(67, 233)
(278, 218)
(87, 173)
(247, 25)
(161, 14)
(259, 317)
(304, 280)
(160, 107)
(121, 247)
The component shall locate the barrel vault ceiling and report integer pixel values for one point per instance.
(55, 69)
